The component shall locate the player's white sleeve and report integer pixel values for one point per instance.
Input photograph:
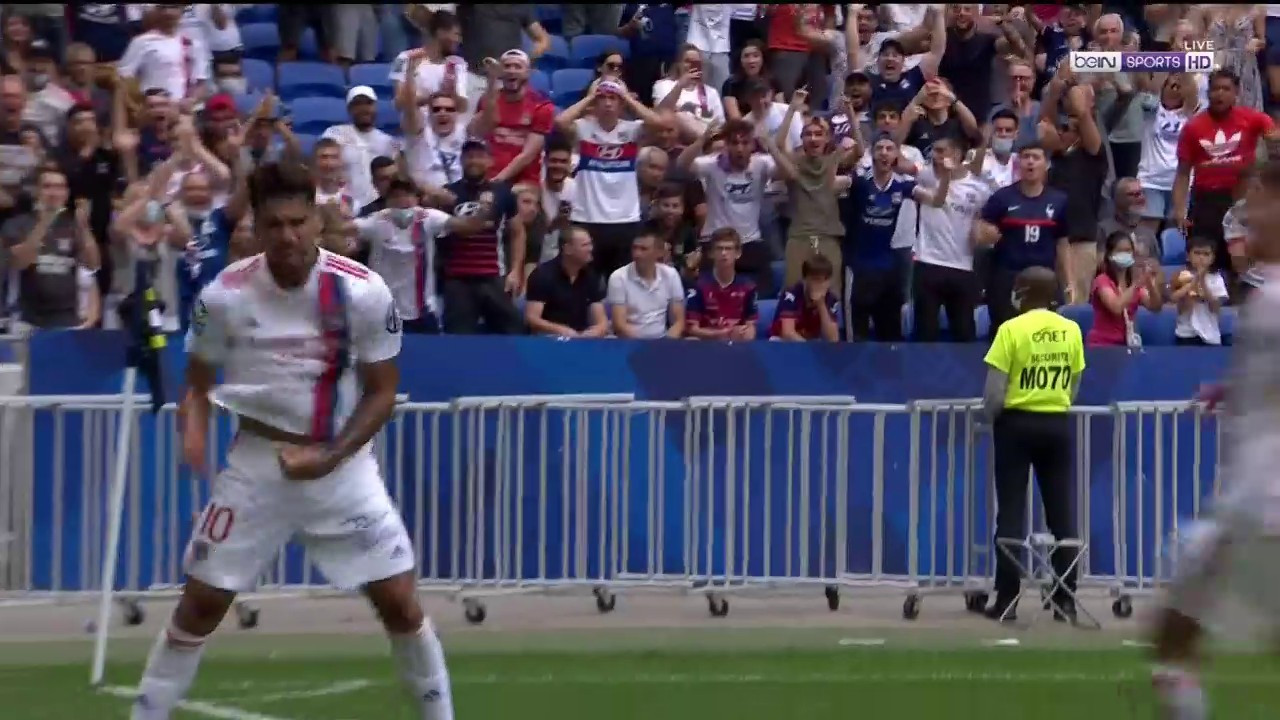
(376, 324)
(207, 336)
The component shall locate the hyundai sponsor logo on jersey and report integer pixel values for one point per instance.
(608, 157)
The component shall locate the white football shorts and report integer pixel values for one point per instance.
(1219, 563)
(347, 522)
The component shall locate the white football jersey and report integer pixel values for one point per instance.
(1252, 443)
(288, 356)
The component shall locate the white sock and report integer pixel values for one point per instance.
(171, 668)
(1181, 696)
(421, 661)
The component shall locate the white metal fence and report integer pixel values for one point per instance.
(605, 495)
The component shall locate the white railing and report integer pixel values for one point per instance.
(607, 495)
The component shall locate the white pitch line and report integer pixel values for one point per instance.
(1136, 644)
(338, 688)
(860, 642)
(207, 709)
(1005, 642)
(831, 678)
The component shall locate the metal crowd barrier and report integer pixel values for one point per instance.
(605, 495)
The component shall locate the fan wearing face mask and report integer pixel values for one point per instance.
(402, 246)
(1122, 285)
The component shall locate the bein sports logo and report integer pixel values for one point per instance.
(1196, 61)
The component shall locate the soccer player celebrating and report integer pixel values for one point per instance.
(307, 341)
(1236, 551)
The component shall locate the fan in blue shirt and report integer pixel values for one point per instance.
(653, 32)
(222, 237)
(1026, 222)
(891, 83)
(870, 218)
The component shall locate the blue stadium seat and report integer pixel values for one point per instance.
(982, 319)
(375, 75)
(585, 50)
(540, 81)
(549, 18)
(1156, 328)
(307, 142)
(1227, 324)
(767, 309)
(260, 74)
(570, 85)
(1170, 271)
(247, 103)
(257, 13)
(261, 41)
(308, 45)
(314, 115)
(311, 79)
(555, 58)
(1081, 314)
(1174, 247)
(389, 118)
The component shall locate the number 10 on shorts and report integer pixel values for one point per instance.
(216, 523)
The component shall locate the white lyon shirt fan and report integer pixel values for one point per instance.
(405, 257)
(606, 190)
(165, 62)
(289, 361)
(944, 231)
(359, 148)
(551, 200)
(734, 198)
(435, 160)
(433, 77)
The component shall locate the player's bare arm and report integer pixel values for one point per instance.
(194, 412)
(377, 401)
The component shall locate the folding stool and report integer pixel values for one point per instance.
(1040, 547)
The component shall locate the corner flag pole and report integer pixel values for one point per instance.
(143, 322)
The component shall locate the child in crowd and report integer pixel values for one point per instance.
(1199, 292)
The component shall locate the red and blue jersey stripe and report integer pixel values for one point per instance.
(335, 332)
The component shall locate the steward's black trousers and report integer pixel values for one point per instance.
(1039, 441)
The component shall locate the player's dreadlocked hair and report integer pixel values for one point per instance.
(280, 180)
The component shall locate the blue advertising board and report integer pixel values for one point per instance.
(444, 368)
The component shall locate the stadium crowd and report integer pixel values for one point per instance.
(723, 172)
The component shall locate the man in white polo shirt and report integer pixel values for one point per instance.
(646, 298)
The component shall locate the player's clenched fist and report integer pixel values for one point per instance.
(305, 462)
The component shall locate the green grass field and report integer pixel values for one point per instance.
(737, 674)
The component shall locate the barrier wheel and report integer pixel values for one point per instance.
(911, 607)
(1122, 607)
(605, 600)
(247, 616)
(975, 601)
(474, 611)
(833, 597)
(718, 606)
(133, 613)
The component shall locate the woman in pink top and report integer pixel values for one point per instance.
(1119, 288)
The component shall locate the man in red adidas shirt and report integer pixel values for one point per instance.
(514, 120)
(1217, 145)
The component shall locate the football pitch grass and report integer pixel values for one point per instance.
(714, 670)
